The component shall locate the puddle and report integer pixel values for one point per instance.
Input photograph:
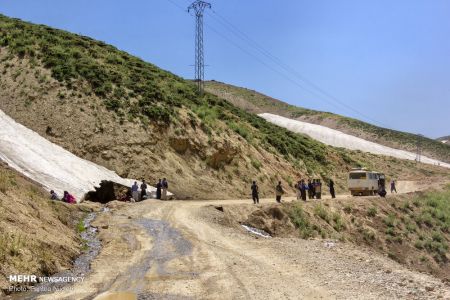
(256, 231)
(161, 297)
(167, 244)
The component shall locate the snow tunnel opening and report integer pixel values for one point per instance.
(108, 191)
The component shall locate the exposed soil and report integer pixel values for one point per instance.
(198, 250)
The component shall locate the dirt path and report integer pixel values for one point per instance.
(173, 250)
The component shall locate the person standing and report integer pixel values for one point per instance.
(332, 189)
(298, 187)
(135, 191)
(143, 190)
(158, 189)
(165, 186)
(255, 193)
(393, 189)
(314, 187)
(310, 189)
(318, 189)
(279, 192)
(303, 189)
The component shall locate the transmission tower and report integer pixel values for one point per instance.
(199, 7)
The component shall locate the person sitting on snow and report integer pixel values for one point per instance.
(68, 198)
(54, 195)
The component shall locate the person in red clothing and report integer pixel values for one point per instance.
(68, 198)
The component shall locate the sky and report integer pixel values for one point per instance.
(385, 62)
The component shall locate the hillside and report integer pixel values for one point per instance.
(444, 140)
(411, 229)
(30, 229)
(131, 117)
(255, 102)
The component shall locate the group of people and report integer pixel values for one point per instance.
(67, 197)
(313, 188)
(141, 194)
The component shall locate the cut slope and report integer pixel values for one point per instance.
(49, 164)
(258, 103)
(339, 139)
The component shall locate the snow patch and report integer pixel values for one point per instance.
(337, 138)
(256, 231)
(48, 164)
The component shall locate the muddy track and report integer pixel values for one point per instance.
(172, 250)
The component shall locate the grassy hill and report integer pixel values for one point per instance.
(128, 115)
(258, 103)
(444, 139)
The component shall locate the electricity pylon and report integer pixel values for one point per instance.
(199, 7)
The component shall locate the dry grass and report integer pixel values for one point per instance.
(30, 229)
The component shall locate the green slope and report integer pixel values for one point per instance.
(136, 90)
(256, 102)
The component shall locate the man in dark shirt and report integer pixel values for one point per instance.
(143, 190)
(158, 189)
(255, 193)
(332, 189)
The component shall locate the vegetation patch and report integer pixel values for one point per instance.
(414, 231)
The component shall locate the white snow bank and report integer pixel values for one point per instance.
(49, 164)
(339, 139)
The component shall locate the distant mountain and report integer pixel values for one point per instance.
(256, 102)
(444, 140)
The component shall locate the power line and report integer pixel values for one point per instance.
(310, 86)
(239, 33)
(267, 65)
(264, 63)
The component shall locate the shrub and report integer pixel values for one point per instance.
(321, 212)
(372, 211)
(390, 221)
(368, 235)
(419, 244)
(299, 219)
(80, 226)
(157, 113)
(256, 163)
(348, 208)
(339, 224)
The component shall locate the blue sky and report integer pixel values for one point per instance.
(386, 61)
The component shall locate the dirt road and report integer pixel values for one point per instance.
(176, 250)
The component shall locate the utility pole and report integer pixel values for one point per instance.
(199, 7)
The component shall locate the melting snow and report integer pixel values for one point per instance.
(339, 139)
(256, 231)
(49, 164)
